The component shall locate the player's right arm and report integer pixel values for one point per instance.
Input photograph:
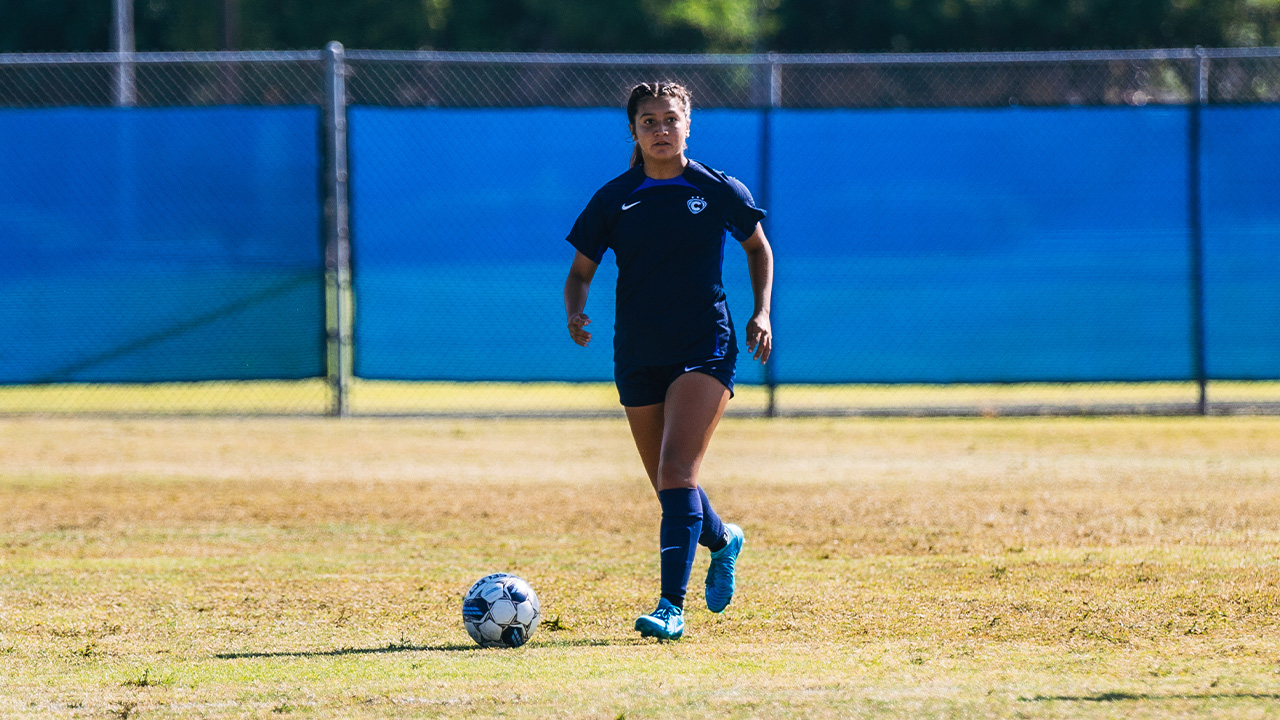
(576, 287)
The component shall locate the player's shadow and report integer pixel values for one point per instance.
(338, 652)
(1109, 697)
(344, 651)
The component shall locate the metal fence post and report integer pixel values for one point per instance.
(1196, 231)
(122, 31)
(337, 231)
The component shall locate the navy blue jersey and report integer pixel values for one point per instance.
(668, 239)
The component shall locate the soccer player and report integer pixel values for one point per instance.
(674, 343)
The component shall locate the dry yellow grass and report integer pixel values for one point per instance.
(895, 568)
(313, 397)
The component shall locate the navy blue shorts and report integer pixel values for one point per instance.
(640, 385)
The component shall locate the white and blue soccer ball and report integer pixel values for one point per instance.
(501, 610)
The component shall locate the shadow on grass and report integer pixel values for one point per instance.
(1123, 696)
(394, 648)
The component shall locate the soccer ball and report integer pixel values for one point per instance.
(500, 610)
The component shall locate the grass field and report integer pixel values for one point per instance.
(478, 399)
(905, 568)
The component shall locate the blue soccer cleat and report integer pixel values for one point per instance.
(664, 623)
(720, 573)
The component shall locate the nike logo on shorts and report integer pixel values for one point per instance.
(626, 206)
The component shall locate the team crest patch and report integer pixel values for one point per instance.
(696, 205)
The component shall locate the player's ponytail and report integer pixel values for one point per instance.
(648, 90)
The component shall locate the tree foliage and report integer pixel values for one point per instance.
(946, 25)
(647, 25)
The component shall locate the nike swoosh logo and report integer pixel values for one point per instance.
(673, 547)
(625, 206)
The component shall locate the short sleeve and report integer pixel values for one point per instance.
(589, 234)
(743, 214)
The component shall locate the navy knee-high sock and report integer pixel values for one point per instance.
(712, 529)
(681, 527)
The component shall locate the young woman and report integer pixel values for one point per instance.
(674, 343)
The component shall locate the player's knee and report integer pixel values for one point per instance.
(677, 475)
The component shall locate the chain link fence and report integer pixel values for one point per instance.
(1012, 233)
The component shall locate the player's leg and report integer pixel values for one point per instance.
(713, 529)
(642, 391)
(646, 429)
(667, 621)
(713, 535)
(695, 404)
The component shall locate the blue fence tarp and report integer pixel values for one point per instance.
(458, 227)
(923, 245)
(161, 245)
(1241, 181)
(967, 245)
(982, 245)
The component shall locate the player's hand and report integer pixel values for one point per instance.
(760, 337)
(576, 323)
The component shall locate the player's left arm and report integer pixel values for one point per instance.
(760, 266)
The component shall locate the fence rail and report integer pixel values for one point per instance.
(928, 181)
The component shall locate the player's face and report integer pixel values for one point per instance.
(661, 127)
